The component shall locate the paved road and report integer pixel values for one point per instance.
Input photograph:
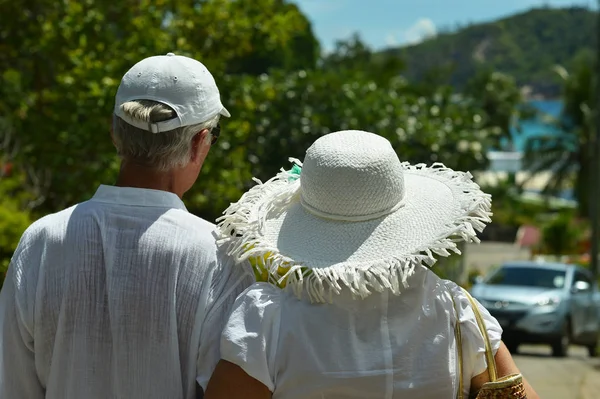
(576, 376)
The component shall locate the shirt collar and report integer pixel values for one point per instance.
(137, 197)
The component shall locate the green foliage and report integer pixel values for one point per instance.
(239, 36)
(61, 62)
(507, 207)
(562, 235)
(525, 46)
(353, 57)
(14, 218)
(569, 155)
(450, 268)
(498, 95)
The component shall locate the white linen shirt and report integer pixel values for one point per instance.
(122, 296)
(384, 346)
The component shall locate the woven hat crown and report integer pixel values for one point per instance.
(352, 176)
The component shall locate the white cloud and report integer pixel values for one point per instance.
(390, 40)
(423, 29)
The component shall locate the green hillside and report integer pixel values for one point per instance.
(525, 45)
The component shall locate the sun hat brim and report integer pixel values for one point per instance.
(318, 256)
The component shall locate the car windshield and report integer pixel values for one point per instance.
(528, 277)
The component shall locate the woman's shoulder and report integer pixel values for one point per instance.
(260, 292)
(456, 290)
(445, 292)
(460, 300)
(448, 289)
(251, 334)
(258, 302)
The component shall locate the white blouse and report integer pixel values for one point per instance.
(384, 346)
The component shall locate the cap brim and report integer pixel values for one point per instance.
(225, 113)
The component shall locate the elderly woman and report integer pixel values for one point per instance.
(349, 308)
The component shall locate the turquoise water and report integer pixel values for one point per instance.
(536, 126)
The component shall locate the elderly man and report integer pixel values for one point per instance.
(125, 295)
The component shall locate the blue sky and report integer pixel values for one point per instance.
(383, 23)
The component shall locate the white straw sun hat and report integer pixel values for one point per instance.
(353, 216)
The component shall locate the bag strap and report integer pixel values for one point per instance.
(489, 355)
(458, 337)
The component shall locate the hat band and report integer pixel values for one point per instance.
(350, 218)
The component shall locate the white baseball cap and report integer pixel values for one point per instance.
(182, 83)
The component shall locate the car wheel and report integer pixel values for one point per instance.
(560, 346)
(593, 348)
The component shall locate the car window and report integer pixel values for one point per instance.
(528, 277)
(580, 276)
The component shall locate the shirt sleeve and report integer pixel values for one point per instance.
(229, 281)
(473, 343)
(251, 335)
(18, 376)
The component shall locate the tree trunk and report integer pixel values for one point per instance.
(583, 183)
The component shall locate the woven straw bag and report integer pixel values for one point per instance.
(510, 386)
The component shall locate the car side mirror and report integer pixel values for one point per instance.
(581, 286)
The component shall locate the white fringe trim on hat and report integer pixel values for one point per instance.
(241, 226)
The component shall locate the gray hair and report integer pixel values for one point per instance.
(162, 151)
